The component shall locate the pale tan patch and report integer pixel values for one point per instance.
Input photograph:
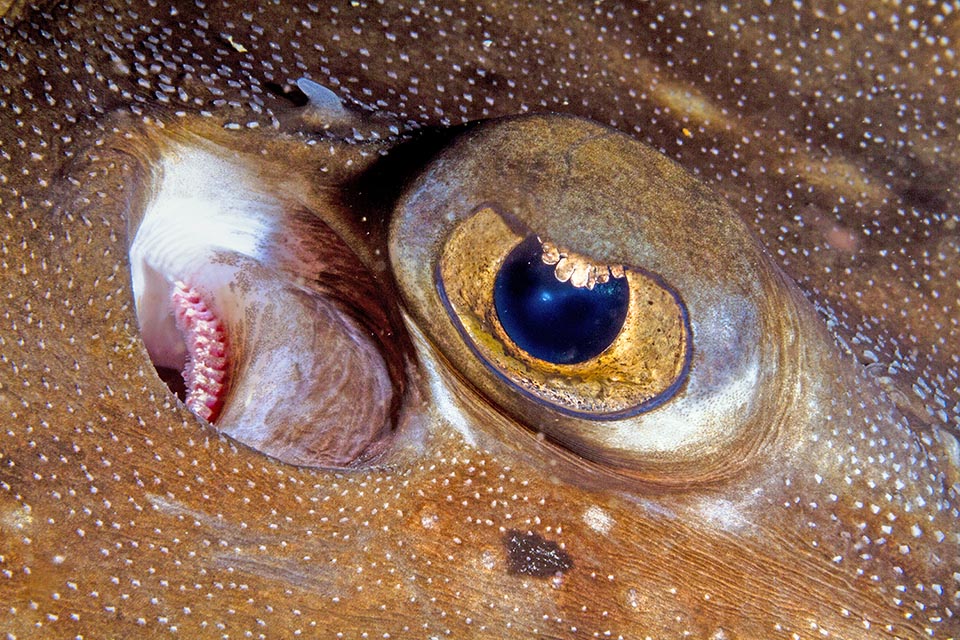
(578, 270)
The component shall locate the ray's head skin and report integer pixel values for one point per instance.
(344, 184)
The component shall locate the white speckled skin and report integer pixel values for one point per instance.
(831, 130)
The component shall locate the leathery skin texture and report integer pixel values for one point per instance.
(340, 181)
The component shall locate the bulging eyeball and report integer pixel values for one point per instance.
(600, 295)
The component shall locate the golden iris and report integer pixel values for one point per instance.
(635, 359)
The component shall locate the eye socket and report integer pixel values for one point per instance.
(690, 389)
(588, 339)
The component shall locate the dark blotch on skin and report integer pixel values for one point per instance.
(530, 554)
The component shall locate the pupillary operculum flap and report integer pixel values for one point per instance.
(309, 378)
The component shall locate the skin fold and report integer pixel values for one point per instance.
(791, 173)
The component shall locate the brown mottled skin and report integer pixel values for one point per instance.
(832, 133)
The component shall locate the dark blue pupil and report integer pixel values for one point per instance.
(553, 320)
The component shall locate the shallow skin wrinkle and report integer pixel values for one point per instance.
(832, 132)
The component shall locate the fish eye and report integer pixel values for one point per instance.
(601, 296)
(585, 338)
